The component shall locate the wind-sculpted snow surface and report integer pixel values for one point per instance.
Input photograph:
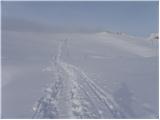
(72, 81)
(91, 75)
(62, 98)
(73, 94)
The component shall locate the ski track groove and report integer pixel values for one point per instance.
(67, 82)
(69, 69)
(110, 104)
(72, 73)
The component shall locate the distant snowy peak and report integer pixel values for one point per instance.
(135, 45)
(112, 33)
(154, 36)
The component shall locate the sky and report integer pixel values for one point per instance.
(135, 18)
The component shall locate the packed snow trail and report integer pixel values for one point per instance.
(80, 106)
(107, 100)
(63, 98)
(56, 94)
(72, 94)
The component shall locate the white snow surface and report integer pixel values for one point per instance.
(77, 75)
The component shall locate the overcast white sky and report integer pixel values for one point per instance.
(135, 18)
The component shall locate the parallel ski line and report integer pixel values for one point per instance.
(99, 92)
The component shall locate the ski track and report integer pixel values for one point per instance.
(108, 100)
(68, 102)
(78, 109)
(64, 98)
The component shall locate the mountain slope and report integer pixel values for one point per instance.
(91, 72)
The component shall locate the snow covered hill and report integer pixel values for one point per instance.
(78, 75)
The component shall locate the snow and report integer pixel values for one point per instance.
(154, 36)
(78, 75)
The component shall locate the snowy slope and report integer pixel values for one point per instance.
(75, 75)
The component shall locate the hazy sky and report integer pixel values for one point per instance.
(136, 18)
